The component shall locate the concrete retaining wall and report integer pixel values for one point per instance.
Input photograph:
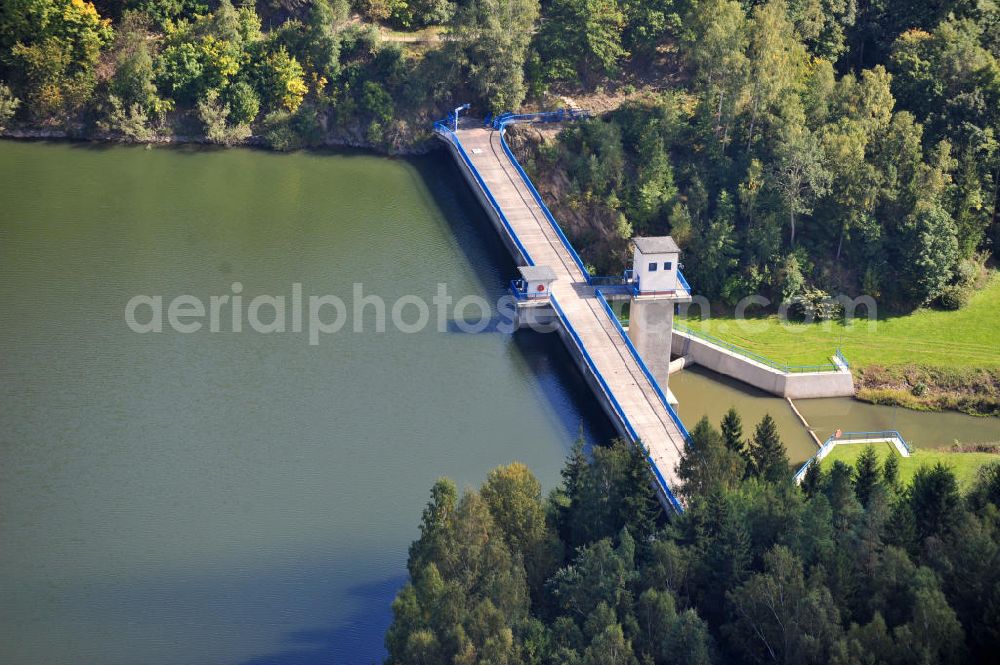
(795, 385)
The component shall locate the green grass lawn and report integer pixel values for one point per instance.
(965, 465)
(969, 337)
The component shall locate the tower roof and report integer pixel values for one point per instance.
(657, 245)
(537, 273)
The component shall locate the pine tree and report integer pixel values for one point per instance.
(890, 472)
(724, 557)
(576, 465)
(866, 477)
(839, 490)
(569, 496)
(732, 431)
(767, 452)
(640, 507)
(707, 463)
(935, 501)
(812, 482)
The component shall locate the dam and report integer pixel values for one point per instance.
(556, 282)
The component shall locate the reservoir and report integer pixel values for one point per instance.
(241, 498)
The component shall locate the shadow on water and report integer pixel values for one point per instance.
(734, 385)
(349, 642)
(187, 147)
(557, 375)
(564, 386)
(466, 220)
(358, 639)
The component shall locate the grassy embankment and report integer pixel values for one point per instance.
(928, 359)
(966, 465)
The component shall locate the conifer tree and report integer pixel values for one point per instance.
(732, 431)
(890, 472)
(767, 452)
(813, 480)
(707, 463)
(866, 475)
(640, 506)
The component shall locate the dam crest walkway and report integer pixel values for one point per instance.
(625, 385)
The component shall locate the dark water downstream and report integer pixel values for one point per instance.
(705, 393)
(225, 498)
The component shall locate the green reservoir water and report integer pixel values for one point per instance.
(241, 498)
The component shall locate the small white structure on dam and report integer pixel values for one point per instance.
(657, 289)
(537, 280)
(531, 294)
(654, 265)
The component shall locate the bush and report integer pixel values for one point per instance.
(215, 116)
(955, 297)
(278, 132)
(130, 124)
(286, 131)
(791, 279)
(744, 284)
(243, 103)
(816, 305)
(8, 105)
(968, 271)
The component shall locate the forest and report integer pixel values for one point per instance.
(808, 149)
(797, 147)
(851, 567)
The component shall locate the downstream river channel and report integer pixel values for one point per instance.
(247, 498)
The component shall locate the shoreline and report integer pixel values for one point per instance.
(932, 388)
(414, 148)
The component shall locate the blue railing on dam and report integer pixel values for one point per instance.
(501, 125)
(445, 132)
(519, 289)
(684, 282)
(643, 366)
(611, 281)
(500, 121)
(628, 284)
(660, 480)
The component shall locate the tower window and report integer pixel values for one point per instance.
(652, 267)
(667, 265)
